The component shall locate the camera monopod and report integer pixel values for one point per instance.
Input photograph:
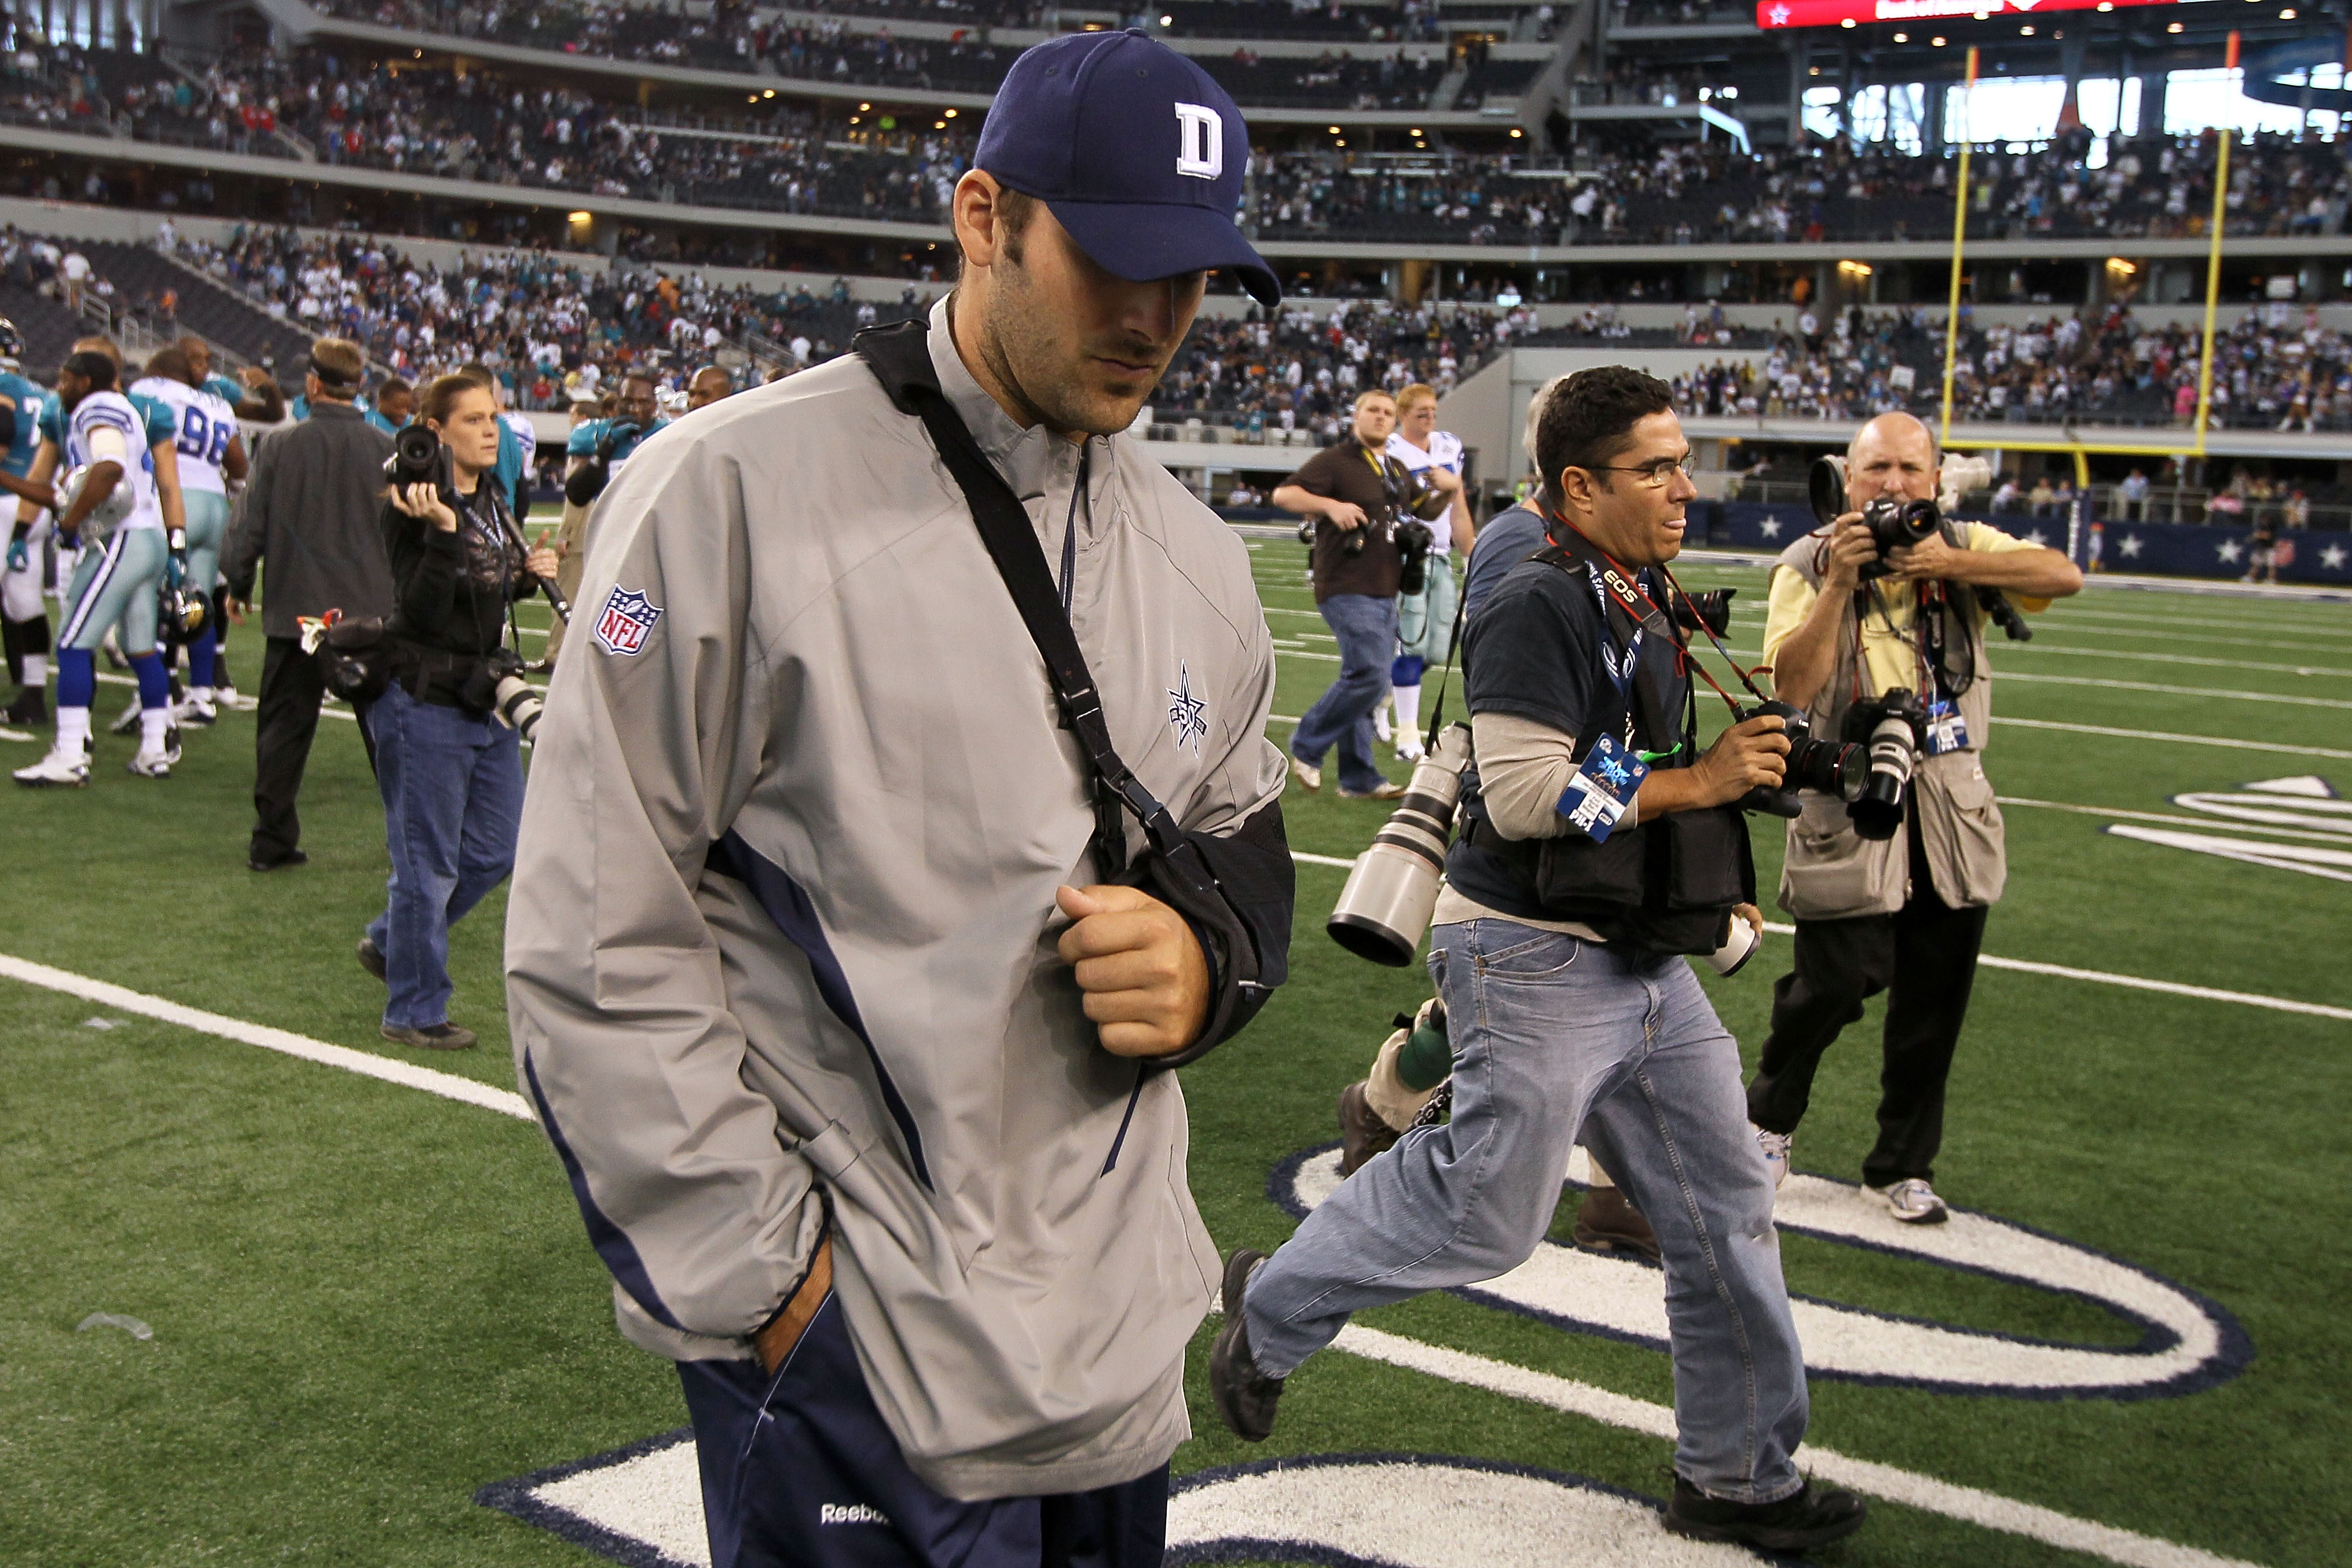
(547, 584)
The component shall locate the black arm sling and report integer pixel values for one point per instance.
(1238, 891)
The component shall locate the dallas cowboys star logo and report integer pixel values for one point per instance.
(1187, 714)
(2132, 543)
(1779, 14)
(2332, 558)
(2230, 550)
(1771, 529)
(2038, 539)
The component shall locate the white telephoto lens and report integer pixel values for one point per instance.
(1736, 949)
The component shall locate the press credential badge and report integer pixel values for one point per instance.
(1603, 787)
(1946, 730)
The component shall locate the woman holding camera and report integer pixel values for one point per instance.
(450, 773)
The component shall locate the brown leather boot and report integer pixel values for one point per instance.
(1607, 1223)
(1362, 1133)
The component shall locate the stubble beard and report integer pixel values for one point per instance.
(1023, 351)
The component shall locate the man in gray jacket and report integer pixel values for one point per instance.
(843, 1038)
(313, 511)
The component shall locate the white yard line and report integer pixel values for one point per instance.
(2175, 738)
(1972, 1505)
(1988, 1510)
(2054, 970)
(2173, 820)
(2045, 649)
(408, 1075)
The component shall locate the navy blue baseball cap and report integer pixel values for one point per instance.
(1137, 152)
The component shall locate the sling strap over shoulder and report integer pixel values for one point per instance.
(1237, 891)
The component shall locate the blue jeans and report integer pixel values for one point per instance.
(1342, 716)
(452, 786)
(1553, 1037)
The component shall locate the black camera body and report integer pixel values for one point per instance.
(1894, 522)
(418, 458)
(496, 688)
(1834, 767)
(1414, 541)
(1708, 612)
(1893, 726)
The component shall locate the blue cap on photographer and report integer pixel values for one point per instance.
(1136, 151)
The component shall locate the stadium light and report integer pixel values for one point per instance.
(2026, 31)
(950, 114)
(1846, 22)
(1902, 37)
(1936, 43)
(2122, 269)
(1855, 269)
(2174, 29)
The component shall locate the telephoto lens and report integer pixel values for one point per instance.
(417, 459)
(1739, 945)
(1383, 911)
(1895, 736)
(518, 705)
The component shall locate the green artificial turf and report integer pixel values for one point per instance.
(368, 1303)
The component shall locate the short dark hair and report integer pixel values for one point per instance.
(92, 367)
(1589, 418)
(172, 365)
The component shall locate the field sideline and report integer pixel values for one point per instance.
(368, 1301)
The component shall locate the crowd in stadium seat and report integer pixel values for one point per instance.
(1710, 192)
(433, 121)
(1302, 370)
(2275, 368)
(536, 312)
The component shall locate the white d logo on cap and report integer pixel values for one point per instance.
(1199, 141)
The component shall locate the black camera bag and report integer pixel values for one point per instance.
(1236, 891)
(355, 657)
(1665, 886)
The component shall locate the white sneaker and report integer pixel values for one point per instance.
(59, 767)
(1914, 1202)
(127, 721)
(1380, 730)
(196, 711)
(225, 696)
(1311, 778)
(1776, 1146)
(152, 765)
(1408, 749)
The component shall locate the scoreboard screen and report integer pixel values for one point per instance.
(1773, 13)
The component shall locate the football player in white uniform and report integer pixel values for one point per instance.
(212, 457)
(1426, 620)
(110, 486)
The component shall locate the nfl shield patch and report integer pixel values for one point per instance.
(627, 616)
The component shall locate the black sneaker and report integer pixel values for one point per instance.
(372, 959)
(277, 862)
(31, 707)
(1244, 1395)
(1805, 1519)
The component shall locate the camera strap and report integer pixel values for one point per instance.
(901, 358)
(1235, 890)
(1631, 614)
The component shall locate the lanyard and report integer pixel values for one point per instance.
(1070, 528)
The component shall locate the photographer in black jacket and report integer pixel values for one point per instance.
(1599, 843)
(451, 774)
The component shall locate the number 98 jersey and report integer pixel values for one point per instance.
(206, 424)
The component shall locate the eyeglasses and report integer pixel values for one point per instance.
(1660, 472)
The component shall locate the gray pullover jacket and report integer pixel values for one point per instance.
(796, 662)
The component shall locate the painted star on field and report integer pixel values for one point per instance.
(2332, 558)
(2230, 550)
(2132, 544)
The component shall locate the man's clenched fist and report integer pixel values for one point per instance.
(1146, 979)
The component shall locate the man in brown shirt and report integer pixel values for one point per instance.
(1357, 495)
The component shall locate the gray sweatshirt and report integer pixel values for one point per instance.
(795, 661)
